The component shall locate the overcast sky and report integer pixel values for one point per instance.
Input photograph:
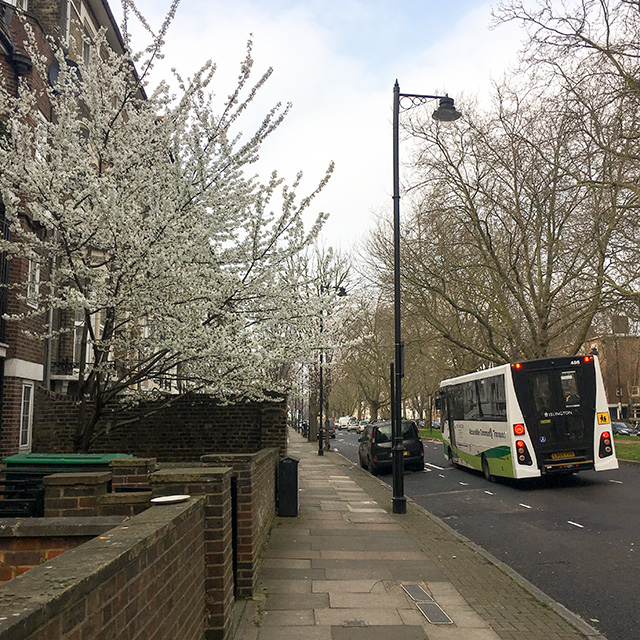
(336, 61)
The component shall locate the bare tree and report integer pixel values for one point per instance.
(590, 52)
(506, 252)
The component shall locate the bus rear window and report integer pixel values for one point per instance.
(553, 390)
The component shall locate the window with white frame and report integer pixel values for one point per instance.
(19, 4)
(26, 416)
(33, 282)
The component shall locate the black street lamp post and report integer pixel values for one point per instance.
(341, 292)
(446, 112)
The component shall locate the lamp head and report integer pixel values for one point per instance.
(446, 111)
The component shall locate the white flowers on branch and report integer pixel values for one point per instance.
(156, 228)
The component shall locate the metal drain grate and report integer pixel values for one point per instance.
(433, 613)
(430, 609)
(416, 592)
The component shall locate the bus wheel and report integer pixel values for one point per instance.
(485, 470)
(450, 456)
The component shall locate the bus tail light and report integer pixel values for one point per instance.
(606, 447)
(518, 429)
(524, 457)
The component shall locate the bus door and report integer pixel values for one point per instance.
(558, 405)
(446, 418)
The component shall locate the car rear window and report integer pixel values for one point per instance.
(384, 432)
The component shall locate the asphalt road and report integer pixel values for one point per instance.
(576, 537)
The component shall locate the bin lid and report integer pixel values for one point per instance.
(65, 458)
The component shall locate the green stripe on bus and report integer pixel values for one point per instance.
(499, 459)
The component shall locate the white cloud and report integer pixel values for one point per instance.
(340, 86)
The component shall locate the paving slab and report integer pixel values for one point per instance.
(301, 617)
(352, 617)
(316, 632)
(296, 601)
(404, 632)
(348, 586)
(284, 586)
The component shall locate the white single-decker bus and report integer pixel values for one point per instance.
(529, 419)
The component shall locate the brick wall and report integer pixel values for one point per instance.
(26, 543)
(74, 494)
(192, 426)
(215, 485)
(50, 15)
(255, 480)
(141, 579)
(11, 408)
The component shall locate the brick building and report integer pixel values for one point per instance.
(619, 354)
(24, 361)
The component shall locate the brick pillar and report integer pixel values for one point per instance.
(215, 485)
(74, 494)
(255, 477)
(132, 474)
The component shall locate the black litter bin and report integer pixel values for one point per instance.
(288, 487)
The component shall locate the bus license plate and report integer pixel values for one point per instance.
(562, 455)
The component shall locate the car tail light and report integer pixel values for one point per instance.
(518, 429)
(522, 453)
(606, 447)
(588, 359)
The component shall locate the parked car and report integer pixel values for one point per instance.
(331, 429)
(622, 429)
(361, 425)
(353, 424)
(374, 450)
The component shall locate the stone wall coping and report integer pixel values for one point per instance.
(71, 576)
(132, 462)
(125, 497)
(81, 477)
(57, 527)
(191, 474)
(257, 457)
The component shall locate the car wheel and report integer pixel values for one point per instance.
(362, 463)
(485, 469)
(419, 466)
(373, 467)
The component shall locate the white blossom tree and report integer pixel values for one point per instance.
(157, 232)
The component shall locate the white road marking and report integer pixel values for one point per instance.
(526, 506)
(490, 493)
(616, 481)
(575, 524)
(464, 484)
(434, 466)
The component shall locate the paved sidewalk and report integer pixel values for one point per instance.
(336, 572)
